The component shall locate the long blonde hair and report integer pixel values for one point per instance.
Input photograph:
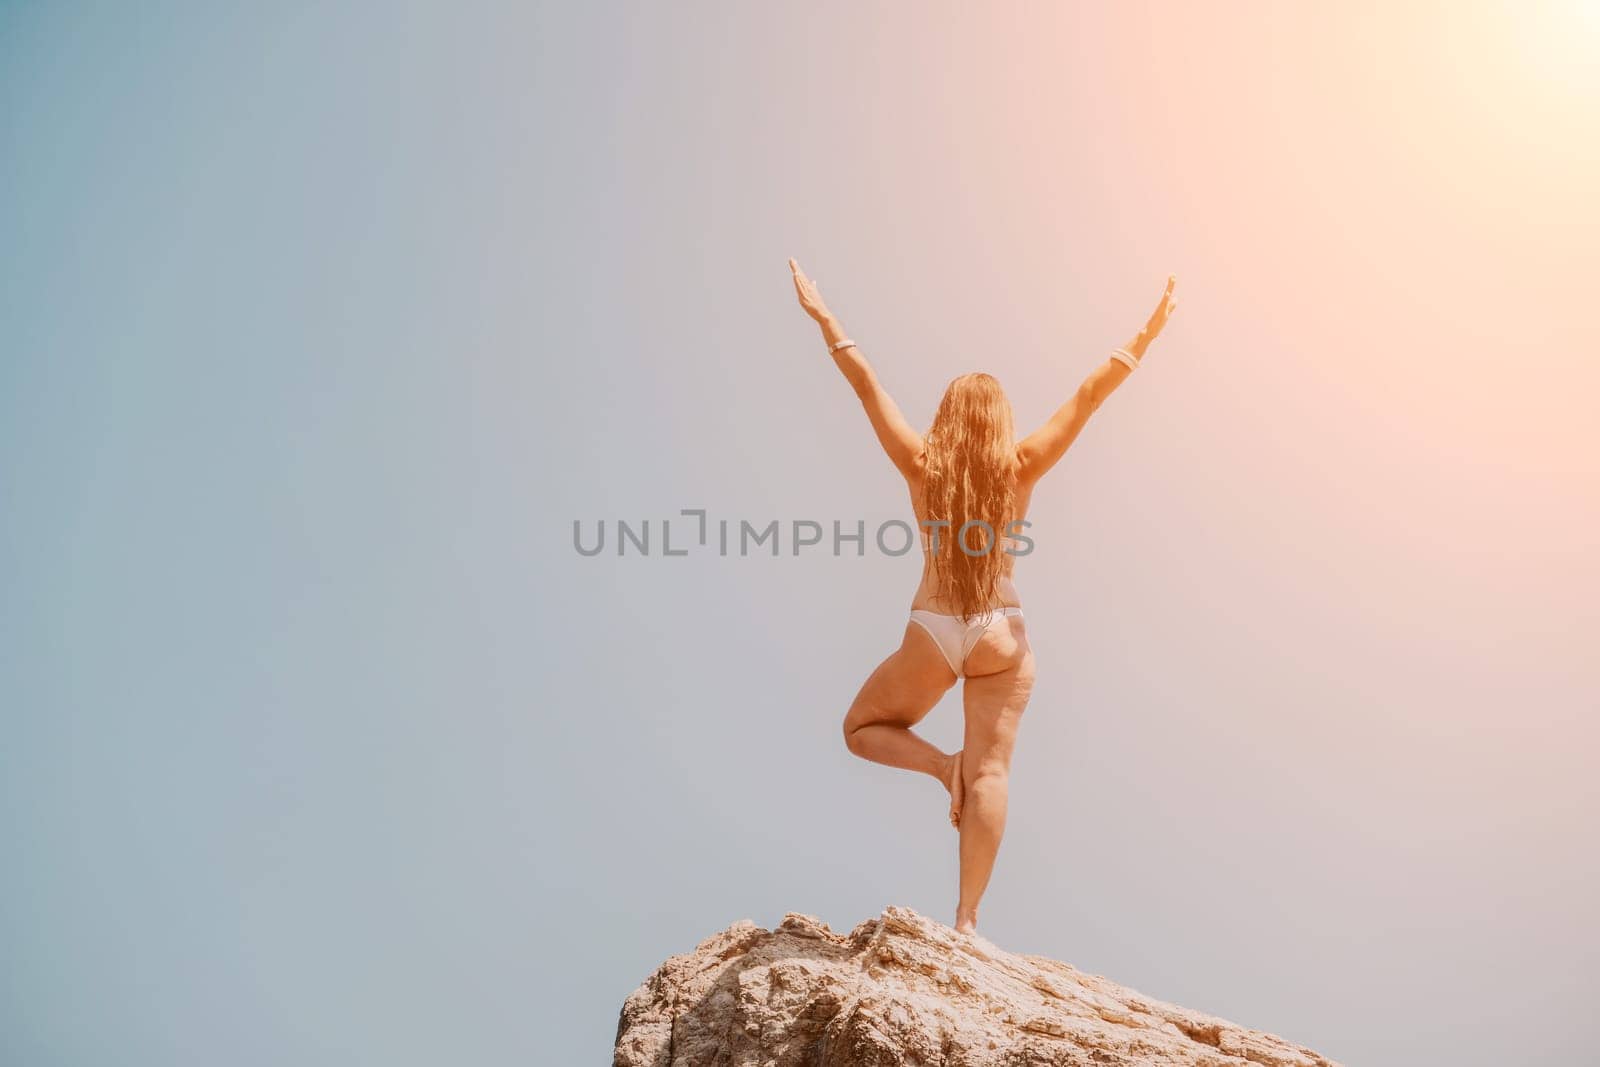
(970, 475)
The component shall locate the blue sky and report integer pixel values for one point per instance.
(324, 745)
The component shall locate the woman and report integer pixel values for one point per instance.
(970, 481)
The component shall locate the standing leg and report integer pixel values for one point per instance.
(994, 704)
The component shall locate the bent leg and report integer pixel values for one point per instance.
(994, 704)
(896, 696)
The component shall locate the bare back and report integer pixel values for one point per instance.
(926, 597)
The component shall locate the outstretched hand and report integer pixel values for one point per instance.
(1158, 317)
(806, 290)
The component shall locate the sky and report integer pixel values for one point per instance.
(323, 329)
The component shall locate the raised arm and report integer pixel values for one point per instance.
(1040, 450)
(899, 440)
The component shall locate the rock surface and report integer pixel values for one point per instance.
(903, 989)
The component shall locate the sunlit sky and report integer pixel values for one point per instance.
(323, 745)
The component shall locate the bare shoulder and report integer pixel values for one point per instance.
(916, 478)
(1027, 473)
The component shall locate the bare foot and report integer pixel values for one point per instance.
(966, 922)
(953, 782)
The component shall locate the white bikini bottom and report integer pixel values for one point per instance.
(957, 637)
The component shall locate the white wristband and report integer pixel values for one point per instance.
(846, 343)
(1122, 355)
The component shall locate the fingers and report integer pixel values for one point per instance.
(798, 276)
(801, 282)
(1164, 309)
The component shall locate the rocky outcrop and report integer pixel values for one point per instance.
(902, 989)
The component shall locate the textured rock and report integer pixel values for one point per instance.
(903, 989)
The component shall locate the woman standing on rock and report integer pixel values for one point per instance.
(971, 483)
